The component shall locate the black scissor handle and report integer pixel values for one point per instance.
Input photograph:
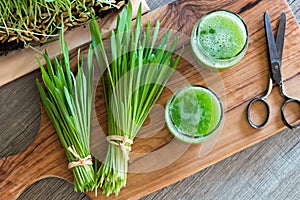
(286, 102)
(258, 99)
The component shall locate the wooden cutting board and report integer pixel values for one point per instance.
(157, 159)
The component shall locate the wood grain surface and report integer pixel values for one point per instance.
(19, 115)
(56, 189)
(45, 156)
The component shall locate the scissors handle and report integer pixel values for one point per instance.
(284, 117)
(264, 101)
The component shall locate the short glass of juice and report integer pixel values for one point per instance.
(194, 113)
(219, 40)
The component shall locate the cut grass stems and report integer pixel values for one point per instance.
(68, 102)
(135, 79)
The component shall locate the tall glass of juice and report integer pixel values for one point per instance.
(219, 39)
(194, 113)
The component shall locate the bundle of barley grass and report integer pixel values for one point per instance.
(25, 21)
(68, 102)
(136, 77)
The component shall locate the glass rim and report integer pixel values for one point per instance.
(220, 119)
(214, 11)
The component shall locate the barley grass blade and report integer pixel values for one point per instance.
(140, 67)
(68, 101)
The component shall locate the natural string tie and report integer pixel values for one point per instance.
(80, 161)
(124, 140)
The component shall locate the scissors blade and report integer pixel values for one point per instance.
(270, 39)
(275, 60)
(280, 35)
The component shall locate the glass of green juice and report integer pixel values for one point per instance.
(194, 113)
(219, 40)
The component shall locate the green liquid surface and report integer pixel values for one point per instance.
(222, 35)
(195, 111)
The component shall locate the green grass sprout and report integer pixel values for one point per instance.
(68, 101)
(26, 21)
(141, 66)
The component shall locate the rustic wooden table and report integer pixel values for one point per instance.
(268, 170)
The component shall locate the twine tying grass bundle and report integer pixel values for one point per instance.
(68, 102)
(135, 79)
(112, 139)
(80, 161)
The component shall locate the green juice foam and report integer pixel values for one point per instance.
(219, 39)
(193, 113)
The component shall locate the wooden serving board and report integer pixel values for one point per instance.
(157, 159)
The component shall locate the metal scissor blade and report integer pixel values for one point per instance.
(270, 39)
(275, 60)
(280, 35)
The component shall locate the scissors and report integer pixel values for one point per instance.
(275, 56)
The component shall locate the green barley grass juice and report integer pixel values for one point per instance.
(194, 113)
(219, 39)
